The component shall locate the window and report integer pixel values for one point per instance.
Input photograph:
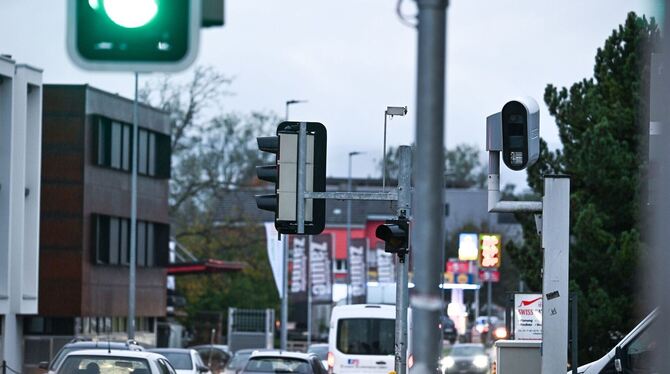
(112, 242)
(113, 148)
(366, 336)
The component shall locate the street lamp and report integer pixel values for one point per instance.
(291, 102)
(390, 111)
(349, 299)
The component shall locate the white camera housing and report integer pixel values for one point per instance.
(520, 122)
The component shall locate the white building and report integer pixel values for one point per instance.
(20, 155)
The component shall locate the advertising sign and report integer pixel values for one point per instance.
(275, 254)
(528, 316)
(456, 266)
(320, 267)
(385, 267)
(489, 276)
(467, 247)
(490, 253)
(358, 269)
(298, 267)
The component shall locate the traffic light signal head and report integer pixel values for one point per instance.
(133, 35)
(520, 133)
(395, 234)
(285, 176)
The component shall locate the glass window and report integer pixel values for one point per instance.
(152, 154)
(239, 360)
(150, 245)
(143, 157)
(127, 137)
(180, 361)
(103, 142)
(102, 232)
(85, 364)
(125, 241)
(467, 350)
(639, 353)
(116, 145)
(141, 243)
(320, 350)
(277, 365)
(114, 245)
(366, 336)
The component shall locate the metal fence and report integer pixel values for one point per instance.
(250, 328)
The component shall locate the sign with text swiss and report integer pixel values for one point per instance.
(527, 316)
(490, 250)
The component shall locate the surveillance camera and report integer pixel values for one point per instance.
(396, 110)
(520, 133)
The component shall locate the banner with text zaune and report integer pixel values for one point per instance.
(527, 316)
(320, 267)
(358, 270)
(298, 262)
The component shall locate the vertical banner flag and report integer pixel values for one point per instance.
(358, 270)
(321, 268)
(372, 264)
(298, 267)
(275, 255)
(385, 266)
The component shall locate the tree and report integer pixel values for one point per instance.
(603, 125)
(463, 166)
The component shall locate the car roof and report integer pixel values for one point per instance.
(247, 350)
(172, 350)
(283, 354)
(97, 343)
(115, 353)
(318, 345)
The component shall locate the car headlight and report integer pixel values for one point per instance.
(447, 363)
(500, 332)
(481, 361)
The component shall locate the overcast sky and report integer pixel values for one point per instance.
(352, 58)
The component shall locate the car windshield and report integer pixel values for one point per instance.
(467, 350)
(321, 351)
(366, 336)
(80, 364)
(277, 365)
(239, 360)
(179, 360)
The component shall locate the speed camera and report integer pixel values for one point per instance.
(520, 120)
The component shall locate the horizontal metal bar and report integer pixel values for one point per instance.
(517, 206)
(388, 196)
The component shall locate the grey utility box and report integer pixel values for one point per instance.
(518, 356)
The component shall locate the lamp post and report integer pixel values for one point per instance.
(284, 301)
(390, 111)
(349, 298)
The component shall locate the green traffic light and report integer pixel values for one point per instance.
(128, 13)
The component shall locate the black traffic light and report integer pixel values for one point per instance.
(395, 233)
(520, 133)
(284, 174)
(133, 35)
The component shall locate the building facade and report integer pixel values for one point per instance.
(85, 219)
(20, 145)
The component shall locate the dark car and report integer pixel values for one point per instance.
(466, 359)
(270, 362)
(79, 345)
(448, 329)
(215, 356)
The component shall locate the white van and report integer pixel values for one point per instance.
(361, 339)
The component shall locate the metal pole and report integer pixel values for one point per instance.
(349, 298)
(309, 299)
(555, 238)
(574, 332)
(488, 307)
(476, 304)
(284, 301)
(384, 156)
(402, 292)
(302, 176)
(428, 228)
(133, 221)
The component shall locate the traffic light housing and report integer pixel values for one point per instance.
(284, 174)
(133, 35)
(395, 234)
(520, 133)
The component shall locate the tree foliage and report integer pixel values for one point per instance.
(602, 123)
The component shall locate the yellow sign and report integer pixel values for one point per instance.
(462, 279)
(490, 250)
(449, 277)
(467, 247)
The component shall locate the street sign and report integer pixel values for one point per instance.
(528, 316)
(467, 246)
(490, 253)
(133, 35)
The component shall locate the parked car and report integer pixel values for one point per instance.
(215, 356)
(632, 354)
(448, 329)
(466, 358)
(267, 362)
(321, 351)
(104, 361)
(185, 361)
(79, 344)
(240, 359)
